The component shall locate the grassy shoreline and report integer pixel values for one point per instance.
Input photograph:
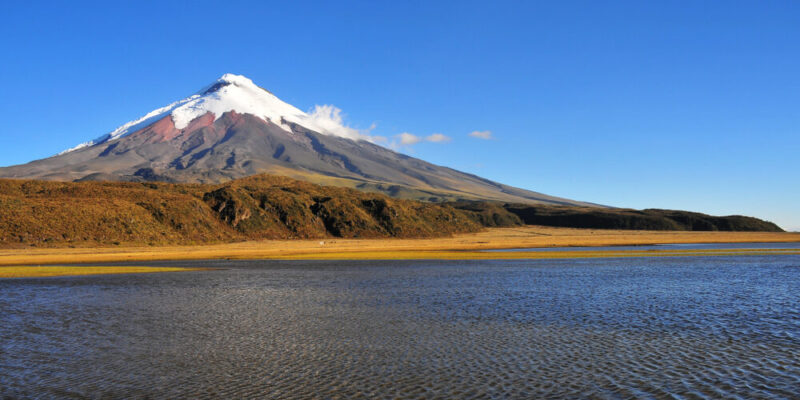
(66, 270)
(462, 246)
(531, 255)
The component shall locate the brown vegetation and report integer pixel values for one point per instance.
(59, 214)
(86, 214)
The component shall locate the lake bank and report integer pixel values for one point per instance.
(463, 246)
(61, 270)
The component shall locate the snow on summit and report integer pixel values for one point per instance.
(236, 93)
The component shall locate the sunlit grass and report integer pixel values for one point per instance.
(461, 246)
(516, 255)
(55, 270)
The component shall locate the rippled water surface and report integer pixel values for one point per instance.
(717, 327)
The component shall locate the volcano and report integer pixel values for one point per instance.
(233, 128)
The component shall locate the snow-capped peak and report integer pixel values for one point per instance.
(235, 93)
(236, 80)
(240, 94)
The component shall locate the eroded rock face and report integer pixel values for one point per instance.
(274, 207)
(231, 207)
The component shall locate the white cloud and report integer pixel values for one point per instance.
(437, 138)
(408, 139)
(485, 135)
(328, 119)
(379, 139)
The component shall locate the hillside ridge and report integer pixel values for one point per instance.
(82, 214)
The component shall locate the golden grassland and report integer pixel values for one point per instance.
(60, 270)
(461, 246)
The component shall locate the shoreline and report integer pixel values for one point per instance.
(19, 272)
(461, 246)
(533, 255)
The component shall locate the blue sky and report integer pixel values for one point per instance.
(676, 104)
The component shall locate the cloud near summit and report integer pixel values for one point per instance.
(437, 138)
(485, 135)
(409, 139)
(330, 119)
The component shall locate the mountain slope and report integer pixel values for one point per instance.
(233, 128)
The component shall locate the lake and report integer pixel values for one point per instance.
(693, 327)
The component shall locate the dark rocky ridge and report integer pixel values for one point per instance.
(491, 214)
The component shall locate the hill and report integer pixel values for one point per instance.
(60, 214)
(42, 213)
(491, 214)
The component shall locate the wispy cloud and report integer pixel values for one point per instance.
(408, 139)
(437, 138)
(485, 135)
(328, 119)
